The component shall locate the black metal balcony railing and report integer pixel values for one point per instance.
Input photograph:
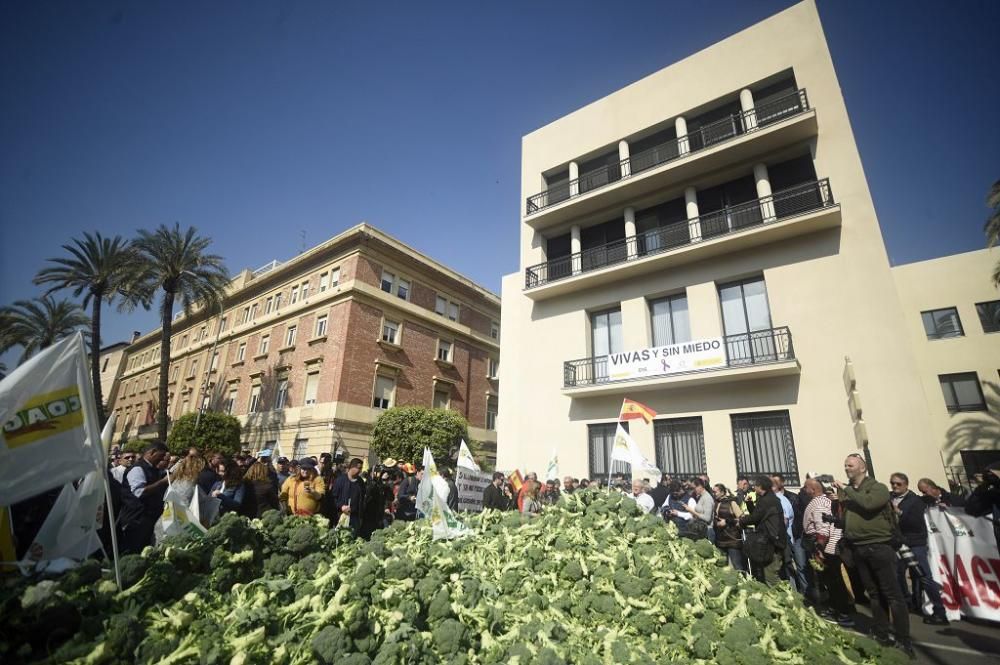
(765, 113)
(797, 200)
(753, 348)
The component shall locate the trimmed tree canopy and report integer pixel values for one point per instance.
(217, 432)
(403, 433)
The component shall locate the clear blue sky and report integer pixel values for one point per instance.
(256, 122)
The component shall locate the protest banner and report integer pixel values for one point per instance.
(963, 555)
(471, 485)
(690, 356)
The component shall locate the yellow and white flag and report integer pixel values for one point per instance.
(50, 433)
(627, 450)
(465, 459)
(552, 471)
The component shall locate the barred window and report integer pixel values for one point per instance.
(764, 445)
(680, 447)
(601, 437)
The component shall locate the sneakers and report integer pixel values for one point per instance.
(827, 615)
(936, 620)
(907, 648)
(885, 640)
(845, 621)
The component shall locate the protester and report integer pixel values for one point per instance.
(406, 493)
(583, 484)
(728, 534)
(184, 477)
(569, 484)
(660, 493)
(142, 500)
(676, 509)
(551, 494)
(260, 483)
(704, 508)
(530, 505)
(209, 475)
(301, 494)
(789, 570)
(348, 496)
(452, 499)
(282, 471)
(493, 496)
(820, 539)
(933, 495)
(743, 489)
(985, 498)
(532, 476)
(910, 511)
(768, 521)
(868, 530)
(641, 498)
(125, 462)
(231, 491)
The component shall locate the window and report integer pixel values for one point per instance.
(491, 412)
(385, 386)
(203, 333)
(269, 305)
(746, 318)
(281, 398)
(265, 342)
(492, 367)
(277, 301)
(222, 323)
(403, 289)
(215, 362)
(442, 397)
(246, 315)
(989, 315)
(321, 326)
(290, 336)
(444, 351)
(600, 438)
(670, 321)
(305, 290)
(441, 305)
(390, 332)
(254, 399)
(387, 281)
(231, 401)
(680, 447)
(495, 330)
(324, 281)
(312, 386)
(184, 341)
(962, 392)
(194, 369)
(185, 406)
(241, 352)
(175, 371)
(104, 367)
(295, 295)
(942, 323)
(299, 447)
(453, 311)
(764, 445)
(606, 338)
(335, 277)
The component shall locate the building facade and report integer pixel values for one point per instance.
(309, 352)
(113, 359)
(704, 241)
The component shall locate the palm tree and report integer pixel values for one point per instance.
(95, 268)
(176, 263)
(39, 323)
(992, 227)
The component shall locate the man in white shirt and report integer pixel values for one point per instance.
(640, 497)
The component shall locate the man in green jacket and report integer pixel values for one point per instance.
(868, 530)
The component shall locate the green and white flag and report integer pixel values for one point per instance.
(552, 472)
(465, 459)
(444, 524)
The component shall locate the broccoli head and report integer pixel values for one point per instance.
(449, 637)
(330, 644)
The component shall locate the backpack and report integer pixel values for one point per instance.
(758, 547)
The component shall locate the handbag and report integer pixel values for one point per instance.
(758, 547)
(695, 529)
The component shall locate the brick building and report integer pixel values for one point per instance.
(308, 353)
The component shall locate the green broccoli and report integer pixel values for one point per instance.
(132, 568)
(440, 606)
(705, 549)
(449, 637)
(330, 644)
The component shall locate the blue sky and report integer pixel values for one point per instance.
(260, 123)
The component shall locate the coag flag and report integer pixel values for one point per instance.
(465, 459)
(444, 524)
(632, 410)
(50, 433)
(626, 449)
(425, 490)
(552, 471)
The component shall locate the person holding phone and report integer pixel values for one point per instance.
(301, 494)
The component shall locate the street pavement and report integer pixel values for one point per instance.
(967, 642)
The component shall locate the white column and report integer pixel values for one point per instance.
(746, 104)
(623, 156)
(764, 191)
(691, 205)
(681, 129)
(574, 248)
(574, 173)
(630, 241)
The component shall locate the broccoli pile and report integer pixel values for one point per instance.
(589, 581)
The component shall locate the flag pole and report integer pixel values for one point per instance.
(113, 529)
(611, 462)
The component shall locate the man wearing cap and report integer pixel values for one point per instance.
(282, 471)
(303, 492)
(406, 499)
(349, 493)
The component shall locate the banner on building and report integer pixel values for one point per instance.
(471, 485)
(963, 554)
(671, 359)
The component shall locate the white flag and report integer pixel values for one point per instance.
(552, 472)
(444, 524)
(425, 490)
(627, 450)
(465, 459)
(50, 434)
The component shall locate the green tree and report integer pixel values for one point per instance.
(992, 227)
(96, 269)
(403, 432)
(39, 323)
(217, 432)
(175, 264)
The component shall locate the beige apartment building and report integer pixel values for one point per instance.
(309, 352)
(704, 241)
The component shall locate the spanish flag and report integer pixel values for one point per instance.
(516, 480)
(632, 410)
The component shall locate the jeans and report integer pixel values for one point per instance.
(923, 581)
(877, 566)
(797, 574)
(736, 559)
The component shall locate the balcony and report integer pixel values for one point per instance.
(753, 355)
(795, 211)
(769, 125)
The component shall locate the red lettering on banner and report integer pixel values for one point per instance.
(948, 596)
(965, 587)
(987, 586)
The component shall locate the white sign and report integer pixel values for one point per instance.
(658, 360)
(964, 561)
(471, 485)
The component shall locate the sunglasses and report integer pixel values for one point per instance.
(896, 483)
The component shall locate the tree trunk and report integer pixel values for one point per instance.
(166, 320)
(95, 356)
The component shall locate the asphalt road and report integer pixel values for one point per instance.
(965, 641)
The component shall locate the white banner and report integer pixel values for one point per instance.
(50, 433)
(658, 360)
(963, 555)
(471, 485)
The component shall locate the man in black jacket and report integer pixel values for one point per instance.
(910, 513)
(493, 496)
(768, 518)
(142, 499)
(985, 499)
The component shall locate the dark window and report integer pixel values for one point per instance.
(557, 252)
(713, 126)
(764, 445)
(721, 210)
(600, 171)
(776, 101)
(942, 323)
(653, 150)
(603, 244)
(791, 172)
(962, 392)
(989, 315)
(558, 246)
(680, 447)
(556, 188)
(662, 227)
(601, 437)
